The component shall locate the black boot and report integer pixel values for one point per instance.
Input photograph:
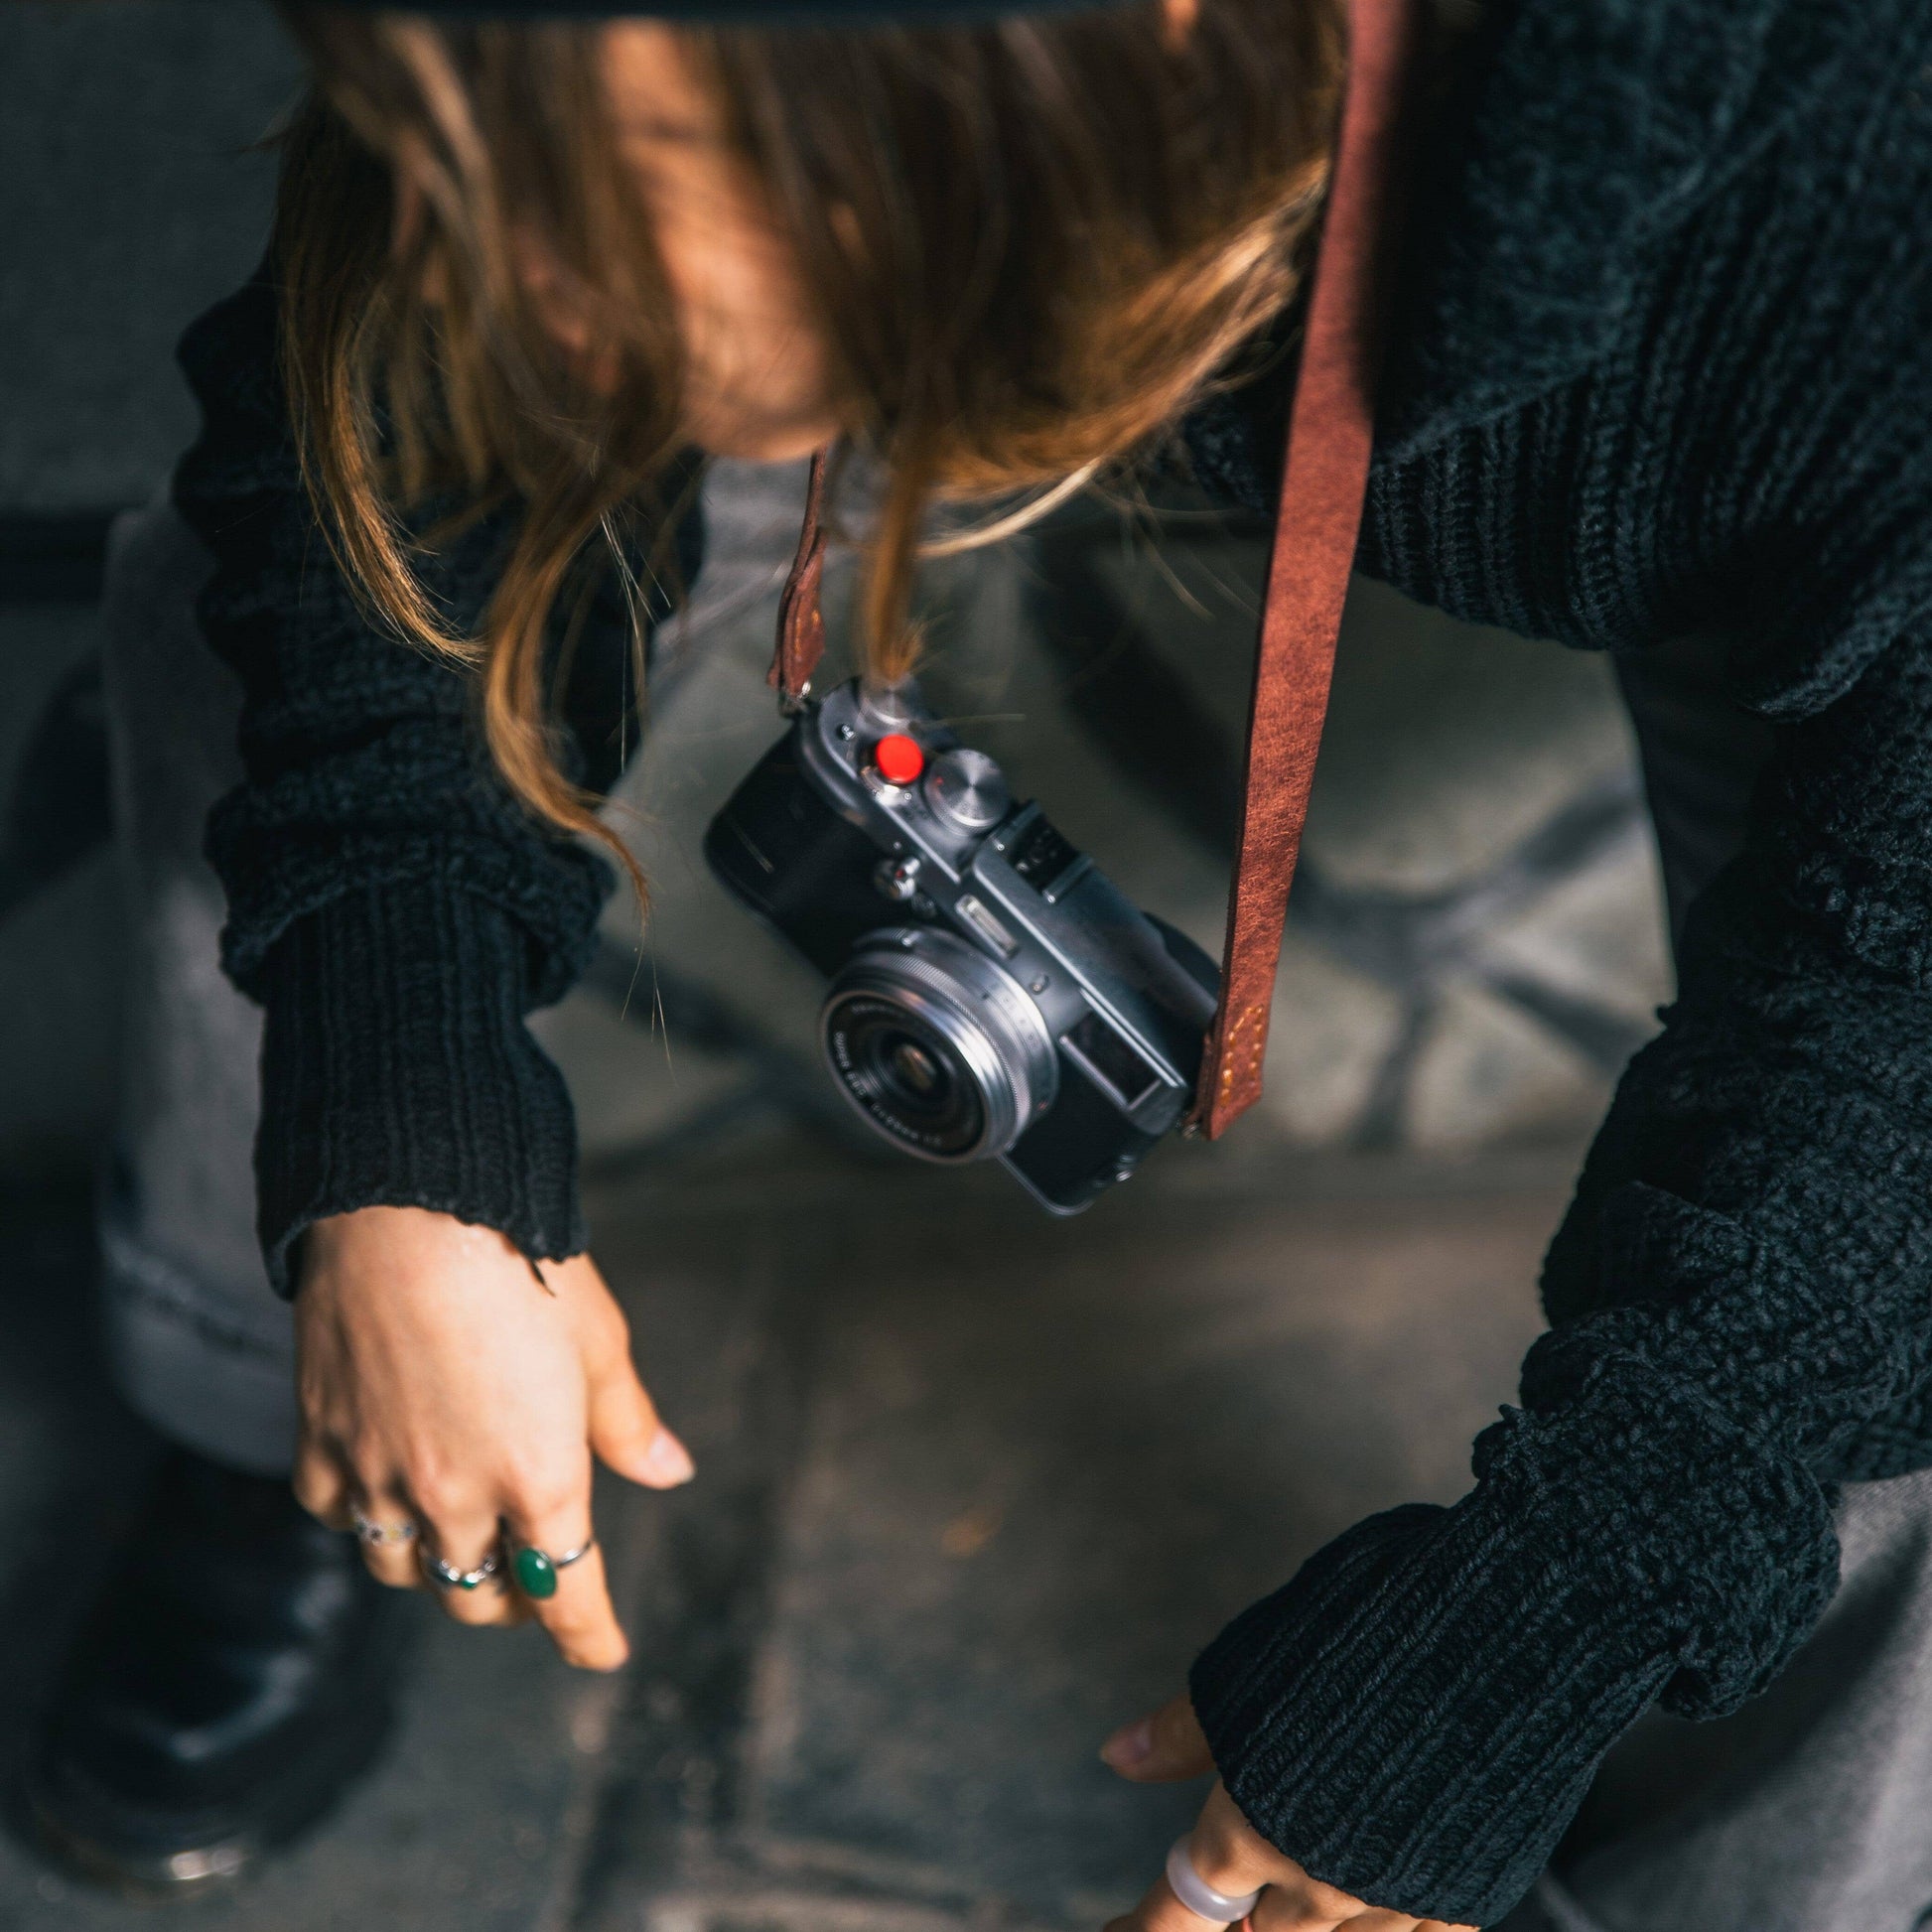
(235, 1678)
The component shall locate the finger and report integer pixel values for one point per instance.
(391, 1558)
(485, 1606)
(467, 1537)
(625, 1432)
(1229, 1854)
(321, 1483)
(1232, 1857)
(1287, 1908)
(624, 1428)
(1159, 1911)
(571, 1601)
(1160, 1748)
(1217, 1851)
(1304, 1904)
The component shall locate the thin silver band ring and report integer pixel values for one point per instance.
(1199, 1897)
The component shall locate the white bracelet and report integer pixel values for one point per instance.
(1199, 1897)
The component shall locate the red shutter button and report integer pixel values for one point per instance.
(898, 758)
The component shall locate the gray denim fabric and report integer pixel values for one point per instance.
(197, 1341)
(1810, 1810)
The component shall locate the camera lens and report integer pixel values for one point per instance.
(937, 1047)
(910, 1082)
(915, 1069)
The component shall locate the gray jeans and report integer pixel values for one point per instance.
(1806, 1812)
(1810, 1810)
(198, 1342)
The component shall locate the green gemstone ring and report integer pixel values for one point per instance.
(536, 1572)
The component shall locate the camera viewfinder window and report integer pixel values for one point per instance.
(1110, 1059)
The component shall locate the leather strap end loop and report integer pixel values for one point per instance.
(801, 621)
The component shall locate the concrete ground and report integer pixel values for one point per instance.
(974, 1485)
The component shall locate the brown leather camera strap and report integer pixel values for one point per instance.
(1324, 479)
(1325, 476)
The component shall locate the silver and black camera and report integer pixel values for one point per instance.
(993, 994)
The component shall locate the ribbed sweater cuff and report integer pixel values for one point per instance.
(397, 1072)
(1416, 1717)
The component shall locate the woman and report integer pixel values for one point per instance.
(1659, 368)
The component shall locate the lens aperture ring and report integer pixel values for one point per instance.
(938, 1048)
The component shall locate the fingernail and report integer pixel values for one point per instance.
(668, 1462)
(1130, 1745)
(589, 1660)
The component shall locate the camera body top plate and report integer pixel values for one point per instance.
(855, 867)
(1023, 893)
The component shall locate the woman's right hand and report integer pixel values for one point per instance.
(1228, 1854)
(442, 1384)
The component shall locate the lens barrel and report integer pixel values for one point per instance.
(938, 1048)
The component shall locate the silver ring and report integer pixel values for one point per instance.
(378, 1535)
(570, 1556)
(1199, 1897)
(451, 1578)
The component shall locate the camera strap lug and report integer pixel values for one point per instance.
(802, 619)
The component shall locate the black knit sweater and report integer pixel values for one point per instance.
(1663, 366)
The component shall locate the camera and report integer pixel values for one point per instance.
(993, 994)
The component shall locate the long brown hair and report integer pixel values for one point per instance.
(1028, 244)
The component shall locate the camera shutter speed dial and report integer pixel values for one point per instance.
(967, 789)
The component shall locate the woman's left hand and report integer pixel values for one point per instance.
(1228, 1854)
